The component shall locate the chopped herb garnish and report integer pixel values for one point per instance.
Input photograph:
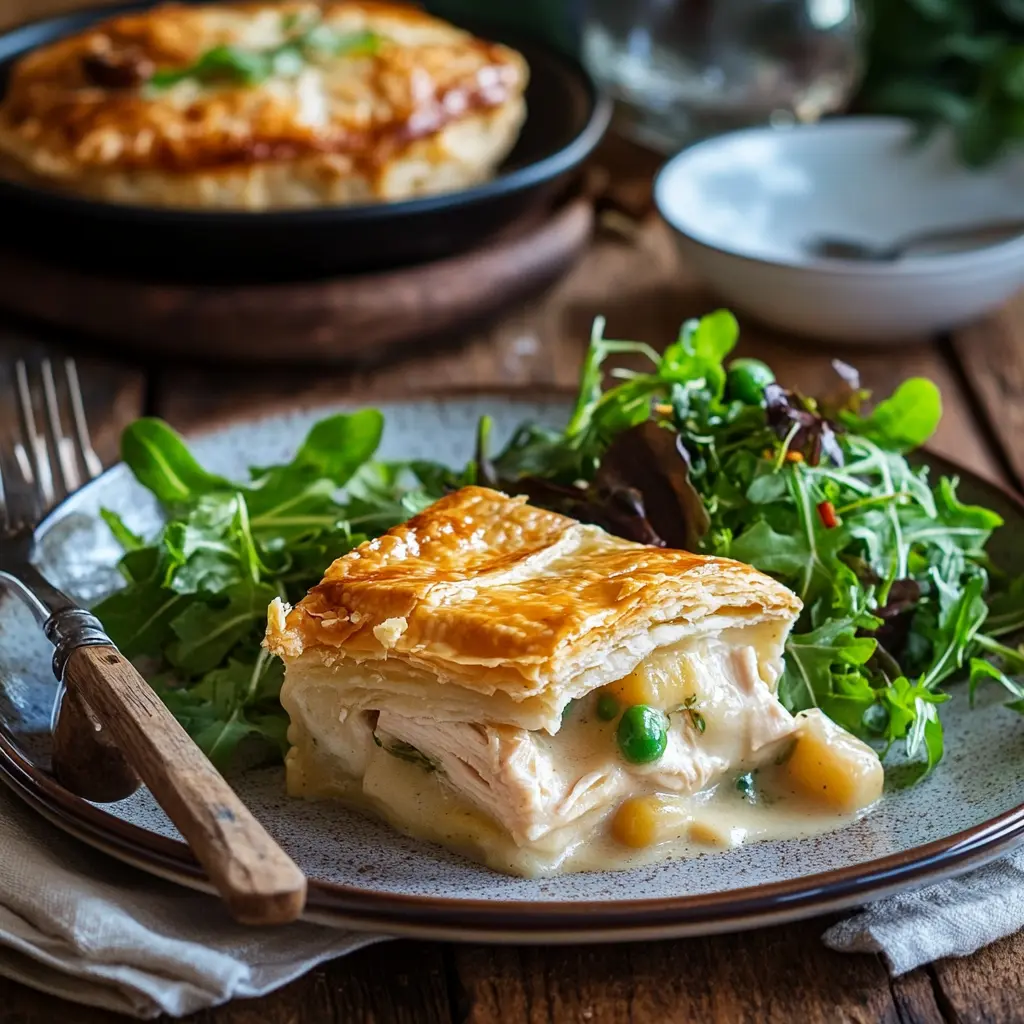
(689, 708)
(238, 65)
(745, 786)
(407, 752)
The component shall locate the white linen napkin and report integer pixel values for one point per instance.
(951, 918)
(81, 925)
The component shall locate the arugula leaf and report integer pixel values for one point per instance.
(126, 538)
(233, 703)
(959, 626)
(197, 594)
(162, 463)
(206, 632)
(982, 670)
(700, 351)
(138, 618)
(808, 680)
(782, 554)
(904, 421)
(334, 450)
(913, 717)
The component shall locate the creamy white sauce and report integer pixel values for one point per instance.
(533, 804)
(418, 803)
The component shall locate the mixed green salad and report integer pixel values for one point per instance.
(697, 453)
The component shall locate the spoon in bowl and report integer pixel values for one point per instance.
(973, 237)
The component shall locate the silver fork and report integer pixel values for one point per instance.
(85, 758)
(257, 880)
(72, 450)
(28, 487)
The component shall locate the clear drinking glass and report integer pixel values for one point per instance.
(684, 69)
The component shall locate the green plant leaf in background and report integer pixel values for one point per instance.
(958, 63)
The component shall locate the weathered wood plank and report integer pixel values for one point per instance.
(778, 975)
(14, 12)
(917, 1000)
(392, 983)
(991, 355)
(20, 1004)
(985, 988)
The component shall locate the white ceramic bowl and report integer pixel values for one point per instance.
(744, 205)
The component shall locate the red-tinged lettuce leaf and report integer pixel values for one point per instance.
(897, 615)
(796, 419)
(641, 491)
(652, 460)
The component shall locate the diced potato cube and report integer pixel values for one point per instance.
(633, 689)
(643, 821)
(831, 767)
(660, 682)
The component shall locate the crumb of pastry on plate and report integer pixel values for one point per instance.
(263, 106)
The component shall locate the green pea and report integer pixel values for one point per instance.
(607, 707)
(642, 734)
(747, 380)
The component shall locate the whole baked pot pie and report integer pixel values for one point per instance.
(263, 106)
(543, 696)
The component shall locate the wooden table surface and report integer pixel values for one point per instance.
(633, 276)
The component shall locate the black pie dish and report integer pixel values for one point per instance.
(566, 118)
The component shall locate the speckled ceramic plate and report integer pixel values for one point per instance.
(362, 875)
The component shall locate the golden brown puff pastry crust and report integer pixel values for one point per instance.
(431, 108)
(496, 595)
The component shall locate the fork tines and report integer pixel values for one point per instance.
(54, 451)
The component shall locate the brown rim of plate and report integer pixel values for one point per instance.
(555, 920)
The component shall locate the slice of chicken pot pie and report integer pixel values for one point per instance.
(543, 696)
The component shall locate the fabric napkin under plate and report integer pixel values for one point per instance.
(951, 918)
(81, 925)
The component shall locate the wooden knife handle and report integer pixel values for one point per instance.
(86, 758)
(257, 880)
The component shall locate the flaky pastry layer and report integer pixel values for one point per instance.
(497, 597)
